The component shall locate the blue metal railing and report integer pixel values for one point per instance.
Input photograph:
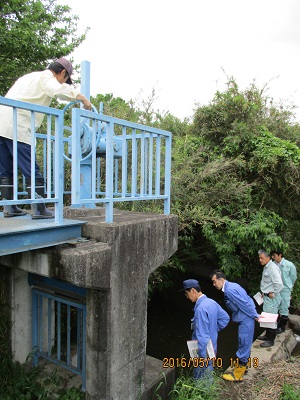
(136, 164)
(52, 153)
(51, 331)
(111, 160)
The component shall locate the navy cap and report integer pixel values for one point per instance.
(189, 284)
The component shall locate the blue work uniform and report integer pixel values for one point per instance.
(289, 276)
(244, 313)
(209, 319)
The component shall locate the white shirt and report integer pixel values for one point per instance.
(37, 88)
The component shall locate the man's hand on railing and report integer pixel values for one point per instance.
(87, 105)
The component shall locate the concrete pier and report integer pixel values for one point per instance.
(113, 265)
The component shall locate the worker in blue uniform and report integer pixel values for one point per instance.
(209, 319)
(244, 313)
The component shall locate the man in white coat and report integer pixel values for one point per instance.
(38, 88)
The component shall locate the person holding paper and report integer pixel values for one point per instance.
(209, 319)
(270, 286)
(244, 313)
(289, 276)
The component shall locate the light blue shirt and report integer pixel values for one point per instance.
(288, 273)
(271, 279)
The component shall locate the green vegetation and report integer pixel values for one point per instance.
(20, 382)
(235, 181)
(33, 32)
(186, 388)
(289, 393)
(235, 177)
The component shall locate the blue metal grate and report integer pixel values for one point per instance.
(59, 330)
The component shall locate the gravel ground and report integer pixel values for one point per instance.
(267, 383)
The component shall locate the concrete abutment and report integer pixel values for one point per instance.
(113, 265)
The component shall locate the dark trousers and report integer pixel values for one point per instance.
(24, 159)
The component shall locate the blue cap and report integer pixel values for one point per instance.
(189, 284)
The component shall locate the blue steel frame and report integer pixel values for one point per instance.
(145, 171)
(144, 174)
(39, 321)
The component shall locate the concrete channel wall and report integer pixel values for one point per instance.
(114, 265)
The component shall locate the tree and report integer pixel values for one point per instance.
(32, 32)
(116, 107)
(236, 181)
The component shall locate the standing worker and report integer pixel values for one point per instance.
(38, 88)
(289, 276)
(209, 319)
(244, 313)
(270, 286)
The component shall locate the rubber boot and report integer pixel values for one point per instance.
(7, 193)
(236, 375)
(266, 336)
(278, 330)
(39, 211)
(282, 324)
(271, 338)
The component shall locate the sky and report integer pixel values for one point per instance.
(186, 50)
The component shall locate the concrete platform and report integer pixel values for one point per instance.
(158, 381)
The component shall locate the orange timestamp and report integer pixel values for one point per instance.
(196, 362)
(251, 363)
(200, 362)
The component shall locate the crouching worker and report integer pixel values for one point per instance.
(244, 313)
(38, 88)
(209, 319)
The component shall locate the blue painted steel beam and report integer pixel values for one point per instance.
(29, 234)
(55, 284)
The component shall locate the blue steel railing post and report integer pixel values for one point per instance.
(124, 163)
(142, 172)
(151, 164)
(33, 142)
(76, 156)
(15, 154)
(134, 164)
(59, 167)
(86, 166)
(168, 158)
(109, 188)
(158, 162)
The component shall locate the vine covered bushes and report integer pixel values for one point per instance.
(236, 181)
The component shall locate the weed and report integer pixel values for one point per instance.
(289, 393)
(187, 388)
